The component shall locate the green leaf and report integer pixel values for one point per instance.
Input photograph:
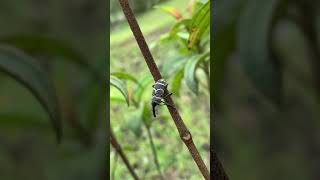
(16, 119)
(253, 42)
(177, 26)
(176, 82)
(223, 46)
(120, 85)
(127, 76)
(117, 99)
(147, 117)
(21, 68)
(190, 71)
(171, 10)
(38, 44)
(196, 6)
(200, 24)
(172, 64)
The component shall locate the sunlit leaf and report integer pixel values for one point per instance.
(183, 35)
(118, 99)
(21, 68)
(253, 44)
(127, 76)
(171, 10)
(190, 71)
(120, 85)
(200, 24)
(196, 5)
(177, 26)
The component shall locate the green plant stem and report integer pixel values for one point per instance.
(207, 71)
(154, 152)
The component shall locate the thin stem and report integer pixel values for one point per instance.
(185, 134)
(118, 148)
(154, 152)
(207, 71)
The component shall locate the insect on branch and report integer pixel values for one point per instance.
(183, 130)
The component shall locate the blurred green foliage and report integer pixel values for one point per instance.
(179, 40)
(265, 94)
(51, 66)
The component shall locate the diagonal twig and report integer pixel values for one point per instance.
(183, 130)
(118, 148)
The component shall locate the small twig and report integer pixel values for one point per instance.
(206, 70)
(183, 130)
(154, 151)
(118, 148)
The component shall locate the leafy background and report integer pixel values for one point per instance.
(266, 88)
(52, 63)
(178, 36)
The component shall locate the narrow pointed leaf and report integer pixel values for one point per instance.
(20, 67)
(127, 76)
(200, 24)
(190, 71)
(253, 43)
(38, 44)
(171, 10)
(120, 85)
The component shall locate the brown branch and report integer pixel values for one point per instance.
(183, 130)
(118, 148)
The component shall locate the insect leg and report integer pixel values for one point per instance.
(167, 104)
(168, 95)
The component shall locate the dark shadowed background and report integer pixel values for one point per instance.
(266, 95)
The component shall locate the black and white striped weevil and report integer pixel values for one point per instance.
(158, 94)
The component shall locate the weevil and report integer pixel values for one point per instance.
(159, 94)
